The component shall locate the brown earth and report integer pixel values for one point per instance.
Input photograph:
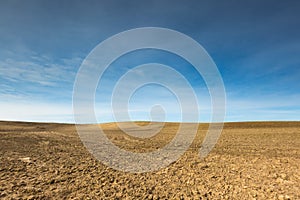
(252, 160)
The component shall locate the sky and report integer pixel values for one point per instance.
(255, 45)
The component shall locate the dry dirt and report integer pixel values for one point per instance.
(253, 160)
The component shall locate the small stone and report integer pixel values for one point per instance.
(26, 159)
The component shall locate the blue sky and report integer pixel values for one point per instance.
(255, 44)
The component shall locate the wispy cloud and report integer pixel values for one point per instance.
(37, 88)
(38, 70)
(266, 107)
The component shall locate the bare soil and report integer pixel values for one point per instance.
(252, 160)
